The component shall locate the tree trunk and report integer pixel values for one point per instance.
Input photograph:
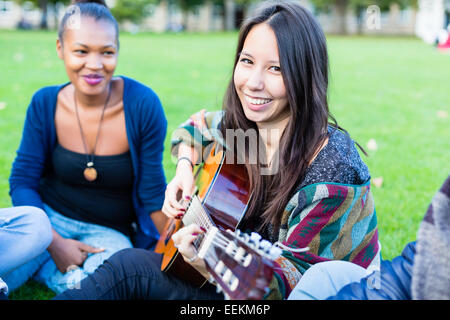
(208, 16)
(230, 17)
(360, 18)
(184, 18)
(341, 8)
(43, 6)
(55, 15)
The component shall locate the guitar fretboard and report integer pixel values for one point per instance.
(197, 214)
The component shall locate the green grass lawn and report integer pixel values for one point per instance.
(387, 89)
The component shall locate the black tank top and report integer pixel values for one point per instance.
(107, 201)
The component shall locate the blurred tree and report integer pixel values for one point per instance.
(186, 6)
(246, 2)
(244, 5)
(229, 11)
(359, 6)
(43, 6)
(131, 10)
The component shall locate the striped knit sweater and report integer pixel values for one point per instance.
(336, 219)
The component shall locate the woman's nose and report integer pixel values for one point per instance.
(94, 61)
(255, 80)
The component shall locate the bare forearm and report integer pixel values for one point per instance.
(56, 240)
(159, 220)
(187, 151)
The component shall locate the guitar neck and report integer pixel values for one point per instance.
(197, 214)
(241, 264)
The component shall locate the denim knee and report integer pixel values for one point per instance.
(325, 279)
(41, 226)
(25, 235)
(28, 225)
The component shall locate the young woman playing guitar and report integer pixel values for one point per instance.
(308, 184)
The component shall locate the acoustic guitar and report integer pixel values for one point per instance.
(240, 264)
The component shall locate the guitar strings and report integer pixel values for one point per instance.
(202, 219)
(205, 222)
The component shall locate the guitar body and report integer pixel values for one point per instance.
(223, 190)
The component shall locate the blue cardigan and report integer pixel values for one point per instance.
(146, 128)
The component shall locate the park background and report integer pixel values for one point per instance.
(388, 89)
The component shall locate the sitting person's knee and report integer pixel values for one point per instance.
(33, 225)
(40, 224)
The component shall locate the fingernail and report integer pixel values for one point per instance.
(179, 216)
(187, 197)
(195, 234)
(203, 229)
(184, 210)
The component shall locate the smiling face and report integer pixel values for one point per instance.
(90, 55)
(258, 79)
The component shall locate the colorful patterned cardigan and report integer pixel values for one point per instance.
(336, 221)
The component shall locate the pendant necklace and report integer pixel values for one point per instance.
(90, 173)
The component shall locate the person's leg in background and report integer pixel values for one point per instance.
(91, 234)
(325, 279)
(44, 270)
(135, 274)
(25, 232)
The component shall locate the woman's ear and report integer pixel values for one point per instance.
(59, 48)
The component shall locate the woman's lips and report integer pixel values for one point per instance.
(93, 80)
(257, 104)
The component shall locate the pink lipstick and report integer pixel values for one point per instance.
(93, 79)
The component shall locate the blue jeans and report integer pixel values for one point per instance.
(25, 232)
(135, 274)
(325, 279)
(44, 270)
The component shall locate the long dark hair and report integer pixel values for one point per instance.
(304, 66)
